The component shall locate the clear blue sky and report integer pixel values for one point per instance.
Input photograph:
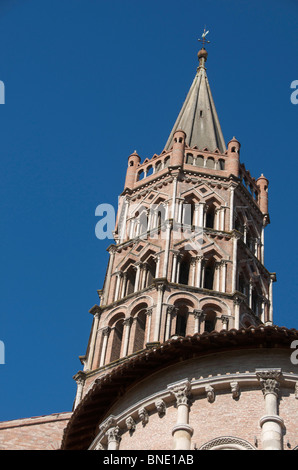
(87, 82)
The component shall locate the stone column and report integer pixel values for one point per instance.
(271, 423)
(127, 324)
(93, 339)
(174, 267)
(199, 318)
(137, 280)
(201, 214)
(217, 276)
(225, 321)
(160, 291)
(193, 272)
(105, 333)
(231, 208)
(124, 282)
(199, 271)
(113, 435)
(117, 288)
(237, 303)
(171, 312)
(80, 380)
(149, 316)
(234, 272)
(167, 249)
(182, 432)
(223, 276)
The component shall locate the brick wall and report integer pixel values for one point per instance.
(38, 433)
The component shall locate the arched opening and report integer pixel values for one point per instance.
(181, 320)
(130, 280)
(117, 340)
(210, 163)
(140, 328)
(184, 270)
(158, 166)
(140, 175)
(209, 275)
(200, 161)
(210, 321)
(149, 170)
(151, 271)
(188, 211)
(166, 162)
(210, 216)
(189, 159)
(221, 164)
(143, 222)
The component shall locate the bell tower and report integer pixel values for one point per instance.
(188, 255)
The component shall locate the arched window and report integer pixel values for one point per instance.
(210, 163)
(117, 340)
(210, 217)
(188, 211)
(158, 166)
(210, 321)
(209, 274)
(140, 175)
(130, 282)
(140, 328)
(189, 159)
(166, 162)
(151, 270)
(200, 161)
(181, 320)
(184, 270)
(149, 170)
(161, 214)
(143, 222)
(221, 164)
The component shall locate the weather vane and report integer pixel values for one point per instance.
(204, 40)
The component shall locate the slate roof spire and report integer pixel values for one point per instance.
(198, 117)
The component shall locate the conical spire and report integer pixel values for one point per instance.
(198, 117)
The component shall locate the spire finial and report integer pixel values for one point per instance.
(203, 40)
(202, 54)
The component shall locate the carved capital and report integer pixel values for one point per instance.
(269, 379)
(113, 434)
(127, 321)
(106, 331)
(199, 314)
(172, 310)
(181, 391)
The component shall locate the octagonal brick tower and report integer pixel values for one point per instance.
(188, 256)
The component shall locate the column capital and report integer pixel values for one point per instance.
(225, 319)
(127, 321)
(172, 310)
(199, 314)
(113, 434)
(106, 331)
(269, 378)
(181, 391)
